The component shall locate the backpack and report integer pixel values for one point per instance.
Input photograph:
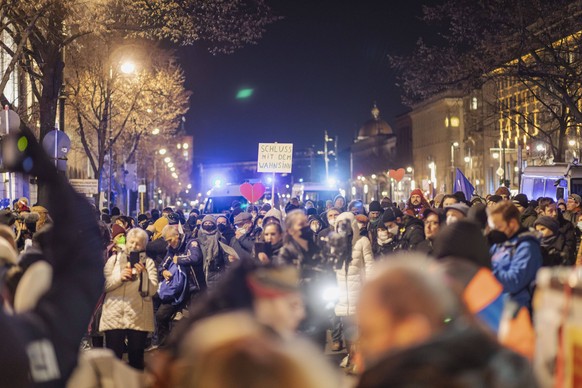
(174, 290)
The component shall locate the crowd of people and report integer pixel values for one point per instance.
(255, 296)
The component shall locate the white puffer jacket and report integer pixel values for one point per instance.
(124, 307)
(350, 282)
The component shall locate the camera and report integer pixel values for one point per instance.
(337, 246)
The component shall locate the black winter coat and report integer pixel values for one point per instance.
(413, 234)
(457, 358)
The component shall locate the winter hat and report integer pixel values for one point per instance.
(159, 226)
(274, 213)
(389, 215)
(478, 214)
(521, 200)
(417, 192)
(463, 208)
(462, 239)
(116, 230)
(311, 211)
(495, 198)
(209, 218)
(242, 217)
(576, 198)
(142, 217)
(375, 206)
(548, 222)
(386, 202)
(266, 207)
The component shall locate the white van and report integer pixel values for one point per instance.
(220, 199)
(556, 181)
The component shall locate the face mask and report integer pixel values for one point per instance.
(331, 222)
(579, 224)
(306, 233)
(451, 220)
(209, 228)
(393, 231)
(314, 227)
(121, 240)
(221, 228)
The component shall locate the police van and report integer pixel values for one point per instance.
(556, 181)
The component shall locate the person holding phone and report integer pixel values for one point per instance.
(131, 279)
(273, 241)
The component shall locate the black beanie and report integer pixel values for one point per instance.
(389, 215)
(464, 240)
(375, 206)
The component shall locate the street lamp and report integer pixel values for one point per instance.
(453, 146)
(127, 68)
(156, 131)
(162, 151)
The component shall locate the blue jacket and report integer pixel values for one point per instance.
(516, 263)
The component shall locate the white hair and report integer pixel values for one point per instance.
(139, 233)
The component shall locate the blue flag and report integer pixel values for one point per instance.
(463, 184)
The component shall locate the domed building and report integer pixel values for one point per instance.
(374, 148)
(374, 127)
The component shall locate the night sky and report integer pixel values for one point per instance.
(321, 67)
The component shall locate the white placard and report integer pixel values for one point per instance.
(85, 186)
(275, 157)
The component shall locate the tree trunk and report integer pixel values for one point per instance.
(52, 80)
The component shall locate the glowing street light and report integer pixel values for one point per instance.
(162, 151)
(167, 159)
(156, 131)
(174, 175)
(185, 146)
(572, 142)
(171, 164)
(127, 67)
(189, 186)
(172, 169)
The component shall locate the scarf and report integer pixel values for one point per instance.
(209, 245)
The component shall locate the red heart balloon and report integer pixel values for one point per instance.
(397, 175)
(252, 193)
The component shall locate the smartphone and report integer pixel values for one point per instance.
(134, 258)
(262, 247)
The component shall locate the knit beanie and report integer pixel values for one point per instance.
(389, 215)
(549, 222)
(209, 218)
(375, 206)
(116, 230)
(521, 200)
(464, 240)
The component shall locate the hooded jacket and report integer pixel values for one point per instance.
(528, 217)
(351, 276)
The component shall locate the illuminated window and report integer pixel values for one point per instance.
(455, 122)
(474, 103)
(446, 122)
